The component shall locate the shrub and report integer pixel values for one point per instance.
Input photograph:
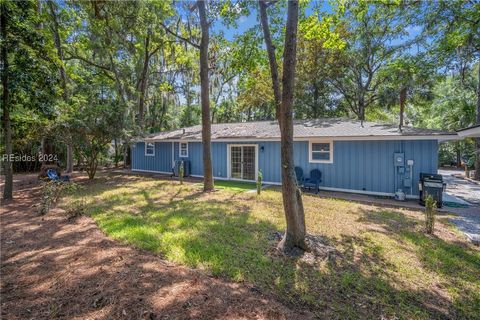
(52, 191)
(76, 209)
(430, 212)
(259, 181)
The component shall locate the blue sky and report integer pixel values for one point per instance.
(246, 22)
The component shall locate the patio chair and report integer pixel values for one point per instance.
(299, 175)
(314, 180)
(52, 174)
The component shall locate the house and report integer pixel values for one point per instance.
(369, 158)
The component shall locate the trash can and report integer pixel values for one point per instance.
(431, 184)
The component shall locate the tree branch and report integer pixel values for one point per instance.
(179, 36)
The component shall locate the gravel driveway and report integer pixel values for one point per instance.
(468, 219)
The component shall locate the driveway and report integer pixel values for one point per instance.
(468, 219)
(461, 188)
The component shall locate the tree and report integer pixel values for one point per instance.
(208, 183)
(376, 34)
(7, 130)
(292, 197)
(320, 43)
(63, 79)
(27, 59)
(205, 99)
(454, 27)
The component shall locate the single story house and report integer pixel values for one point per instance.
(369, 158)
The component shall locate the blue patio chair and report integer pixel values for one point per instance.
(314, 180)
(52, 174)
(299, 175)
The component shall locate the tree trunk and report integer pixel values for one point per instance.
(403, 99)
(292, 197)
(477, 140)
(205, 99)
(69, 167)
(63, 82)
(143, 83)
(7, 130)
(277, 94)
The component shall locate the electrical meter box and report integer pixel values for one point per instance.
(398, 159)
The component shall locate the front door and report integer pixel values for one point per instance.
(242, 162)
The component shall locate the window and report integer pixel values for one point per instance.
(149, 149)
(183, 149)
(321, 151)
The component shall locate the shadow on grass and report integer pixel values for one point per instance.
(457, 263)
(219, 233)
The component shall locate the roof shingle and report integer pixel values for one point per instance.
(327, 127)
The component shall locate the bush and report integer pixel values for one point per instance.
(52, 191)
(259, 181)
(430, 213)
(76, 209)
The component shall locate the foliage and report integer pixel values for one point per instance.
(76, 208)
(259, 182)
(430, 213)
(52, 191)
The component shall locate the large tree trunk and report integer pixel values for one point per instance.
(292, 198)
(7, 130)
(69, 167)
(143, 83)
(477, 140)
(205, 99)
(403, 99)
(277, 93)
(63, 82)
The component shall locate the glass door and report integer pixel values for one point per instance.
(242, 162)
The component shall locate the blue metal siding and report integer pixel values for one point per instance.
(357, 165)
(161, 161)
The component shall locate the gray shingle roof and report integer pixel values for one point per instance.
(328, 127)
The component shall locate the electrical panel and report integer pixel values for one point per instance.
(398, 159)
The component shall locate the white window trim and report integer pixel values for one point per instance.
(147, 154)
(180, 149)
(310, 142)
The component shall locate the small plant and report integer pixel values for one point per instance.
(76, 209)
(181, 172)
(259, 181)
(430, 212)
(52, 191)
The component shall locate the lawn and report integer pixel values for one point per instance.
(385, 266)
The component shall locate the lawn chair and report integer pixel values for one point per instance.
(314, 180)
(299, 175)
(52, 174)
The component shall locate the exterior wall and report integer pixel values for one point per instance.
(364, 166)
(161, 162)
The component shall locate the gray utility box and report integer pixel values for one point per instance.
(431, 184)
(186, 168)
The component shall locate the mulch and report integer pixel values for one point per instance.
(52, 268)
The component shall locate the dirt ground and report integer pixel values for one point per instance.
(55, 269)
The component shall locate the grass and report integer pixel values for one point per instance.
(238, 186)
(386, 267)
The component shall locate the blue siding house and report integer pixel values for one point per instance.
(369, 158)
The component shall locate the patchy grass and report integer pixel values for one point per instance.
(386, 267)
(238, 186)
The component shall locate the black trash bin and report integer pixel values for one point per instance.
(432, 184)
